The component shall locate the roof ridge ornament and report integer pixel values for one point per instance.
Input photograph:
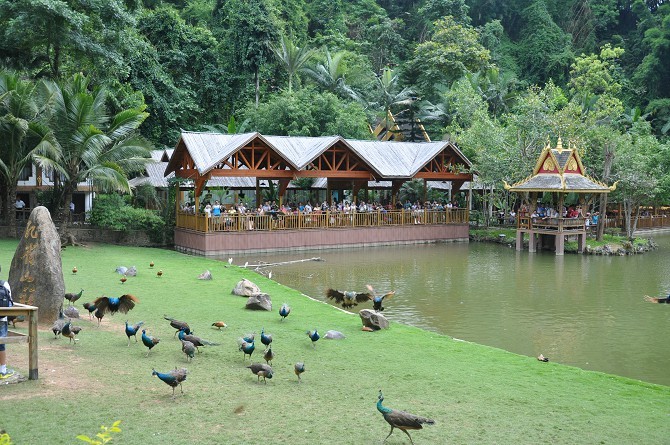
(559, 145)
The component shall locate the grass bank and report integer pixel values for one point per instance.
(476, 394)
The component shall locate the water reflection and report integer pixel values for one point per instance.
(584, 311)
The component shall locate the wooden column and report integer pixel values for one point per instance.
(560, 243)
(33, 369)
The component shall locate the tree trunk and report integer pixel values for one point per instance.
(11, 199)
(608, 149)
(258, 87)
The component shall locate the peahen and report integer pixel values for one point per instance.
(57, 326)
(314, 336)
(377, 300)
(149, 341)
(99, 314)
(284, 310)
(400, 419)
(261, 370)
(70, 331)
(178, 325)
(299, 368)
(197, 341)
(347, 298)
(268, 355)
(188, 348)
(132, 330)
(122, 304)
(266, 339)
(246, 347)
(173, 378)
(73, 297)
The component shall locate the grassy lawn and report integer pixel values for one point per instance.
(476, 394)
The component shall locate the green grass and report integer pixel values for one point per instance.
(476, 394)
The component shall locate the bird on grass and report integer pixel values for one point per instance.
(268, 355)
(246, 347)
(314, 336)
(70, 331)
(173, 378)
(261, 370)
(123, 304)
(400, 419)
(284, 310)
(377, 300)
(132, 330)
(71, 312)
(123, 279)
(348, 298)
(73, 297)
(74, 270)
(151, 264)
(219, 324)
(266, 339)
(188, 348)
(542, 358)
(16, 319)
(178, 325)
(249, 338)
(159, 273)
(90, 307)
(99, 314)
(657, 300)
(299, 368)
(149, 341)
(197, 341)
(57, 326)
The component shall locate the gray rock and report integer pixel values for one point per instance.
(246, 288)
(206, 275)
(36, 273)
(121, 270)
(259, 302)
(71, 312)
(334, 335)
(132, 271)
(373, 319)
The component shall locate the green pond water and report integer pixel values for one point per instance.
(580, 310)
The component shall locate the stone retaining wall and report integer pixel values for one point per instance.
(88, 234)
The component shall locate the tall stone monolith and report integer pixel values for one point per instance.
(36, 273)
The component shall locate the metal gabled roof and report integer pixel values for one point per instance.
(154, 175)
(398, 159)
(301, 150)
(209, 149)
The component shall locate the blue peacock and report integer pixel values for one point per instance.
(173, 378)
(400, 419)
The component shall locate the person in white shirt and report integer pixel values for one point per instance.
(19, 204)
(4, 372)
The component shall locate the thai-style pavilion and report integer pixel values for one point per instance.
(558, 171)
(345, 165)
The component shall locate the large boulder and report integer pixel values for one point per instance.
(246, 288)
(259, 302)
(372, 319)
(36, 273)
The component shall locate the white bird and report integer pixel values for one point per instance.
(270, 275)
(246, 264)
(230, 260)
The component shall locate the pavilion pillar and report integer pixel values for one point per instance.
(519, 240)
(581, 242)
(258, 193)
(532, 242)
(560, 243)
(283, 185)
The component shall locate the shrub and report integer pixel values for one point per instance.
(112, 212)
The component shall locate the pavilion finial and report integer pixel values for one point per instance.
(559, 145)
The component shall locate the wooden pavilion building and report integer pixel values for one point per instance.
(558, 171)
(345, 164)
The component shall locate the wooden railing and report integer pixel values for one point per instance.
(554, 224)
(643, 222)
(319, 220)
(30, 312)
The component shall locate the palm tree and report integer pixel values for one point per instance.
(292, 57)
(24, 140)
(94, 146)
(387, 96)
(331, 75)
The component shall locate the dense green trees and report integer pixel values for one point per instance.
(498, 76)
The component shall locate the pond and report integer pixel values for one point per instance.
(579, 310)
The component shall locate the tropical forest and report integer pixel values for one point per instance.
(88, 88)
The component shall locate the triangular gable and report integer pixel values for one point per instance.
(448, 160)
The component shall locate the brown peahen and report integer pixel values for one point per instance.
(299, 368)
(400, 419)
(261, 370)
(73, 297)
(178, 325)
(348, 298)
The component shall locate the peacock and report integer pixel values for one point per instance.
(378, 299)
(178, 325)
(73, 297)
(173, 378)
(261, 370)
(197, 341)
(249, 338)
(268, 355)
(99, 314)
(112, 305)
(246, 347)
(400, 419)
(314, 336)
(299, 368)
(188, 348)
(132, 330)
(266, 339)
(70, 331)
(90, 307)
(149, 341)
(284, 310)
(348, 298)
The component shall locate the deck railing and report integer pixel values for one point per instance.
(552, 224)
(318, 220)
